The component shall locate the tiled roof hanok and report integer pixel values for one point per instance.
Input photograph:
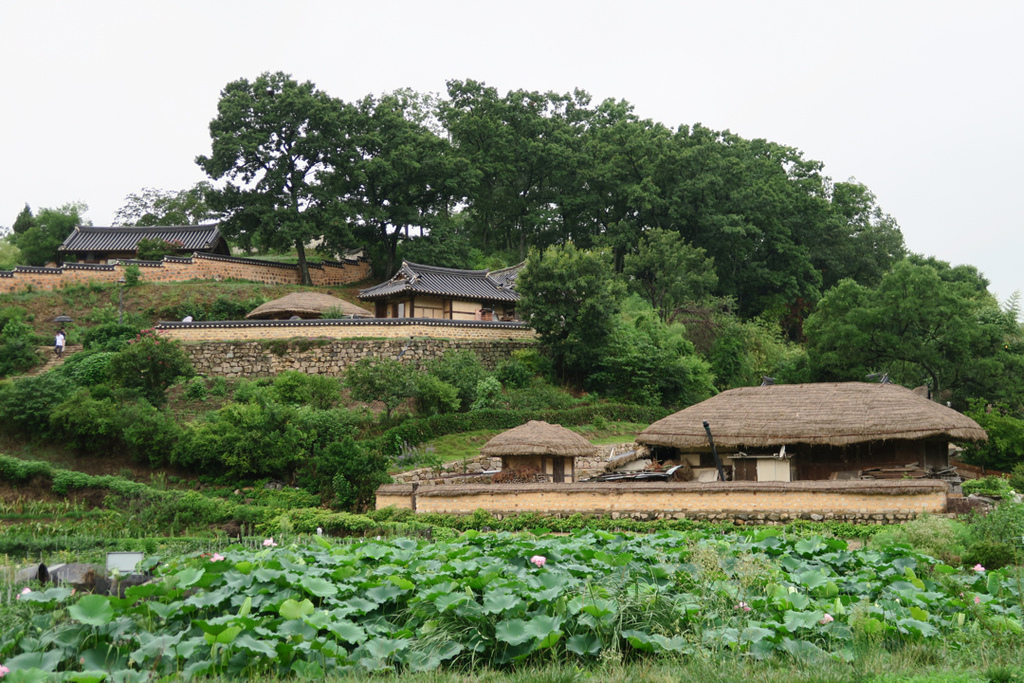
(95, 238)
(478, 285)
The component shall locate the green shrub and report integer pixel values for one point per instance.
(132, 275)
(299, 388)
(993, 487)
(1016, 479)
(195, 389)
(435, 396)
(243, 441)
(109, 336)
(357, 473)
(252, 391)
(87, 424)
(513, 374)
(461, 369)
(155, 248)
(488, 394)
(26, 403)
(87, 368)
(148, 365)
(9, 313)
(539, 396)
(385, 380)
(149, 434)
(17, 348)
(226, 308)
(219, 387)
(939, 537)
(991, 554)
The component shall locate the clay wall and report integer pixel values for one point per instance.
(178, 269)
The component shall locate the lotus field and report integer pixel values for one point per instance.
(500, 600)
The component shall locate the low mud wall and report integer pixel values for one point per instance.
(873, 502)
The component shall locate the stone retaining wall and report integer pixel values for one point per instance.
(874, 502)
(452, 472)
(377, 328)
(332, 356)
(180, 269)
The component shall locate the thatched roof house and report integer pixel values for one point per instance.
(306, 305)
(825, 428)
(550, 449)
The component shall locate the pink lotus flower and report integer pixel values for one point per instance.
(539, 560)
(216, 557)
(24, 591)
(827, 619)
(979, 568)
(269, 543)
(4, 671)
(743, 606)
(977, 600)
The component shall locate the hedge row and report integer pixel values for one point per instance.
(417, 431)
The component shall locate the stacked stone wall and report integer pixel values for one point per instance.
(332, 356)
(376, 328)
(178, 269)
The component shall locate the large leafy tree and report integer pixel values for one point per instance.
(167, 207)
(39, 243)
(275, 142)
(401, 175)
(571, 297)
(921, 324)
(24, 221)
(669, 273)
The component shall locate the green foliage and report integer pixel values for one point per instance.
(26, 403)
(385, 380)
(195, 389)
(924, 323)
(219, 387)
(252, 391)
(355, 473)
(155, 248)
(460, 369)
(9, 313)
(242, 441)
(227, 308)
(17, 348)
(992, 487)
(1016, 479)
(299, 388)
(50, 227)
(513, 374)
(435, 396)
(148, 365)
(944, 539)
(109, 336)
(10, 255)
(488, 393)
(669, 273)
(651, 363)
(997, 537)
(153, 207)
(87, 368)
(84, 423)
(132, 274)
(149, 435)
(1004, 449)
(539, 395)
(744, 352)
(570, 297)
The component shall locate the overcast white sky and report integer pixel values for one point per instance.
(920, 101)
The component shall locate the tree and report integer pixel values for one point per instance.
(570, 297)
(919, 325)
(402, 175)
(669, 273)
(167, 207)
(276, 142)
(149, 365)
(383, 379)
(10, 255)
(39, 243)
(24, 221)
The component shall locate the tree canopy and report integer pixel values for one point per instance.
(45, 231)
(167, 207)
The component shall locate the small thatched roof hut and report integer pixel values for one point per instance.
(833, 414)
(826, 428)
(309, 305)
(542, 446)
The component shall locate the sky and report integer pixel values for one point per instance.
(920, 101)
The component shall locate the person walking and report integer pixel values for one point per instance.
(58, 347)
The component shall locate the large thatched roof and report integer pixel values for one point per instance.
(539, 438)
(305, 305)
(834, 414)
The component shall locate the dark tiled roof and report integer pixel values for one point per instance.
(479, 285)
(93, 238)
